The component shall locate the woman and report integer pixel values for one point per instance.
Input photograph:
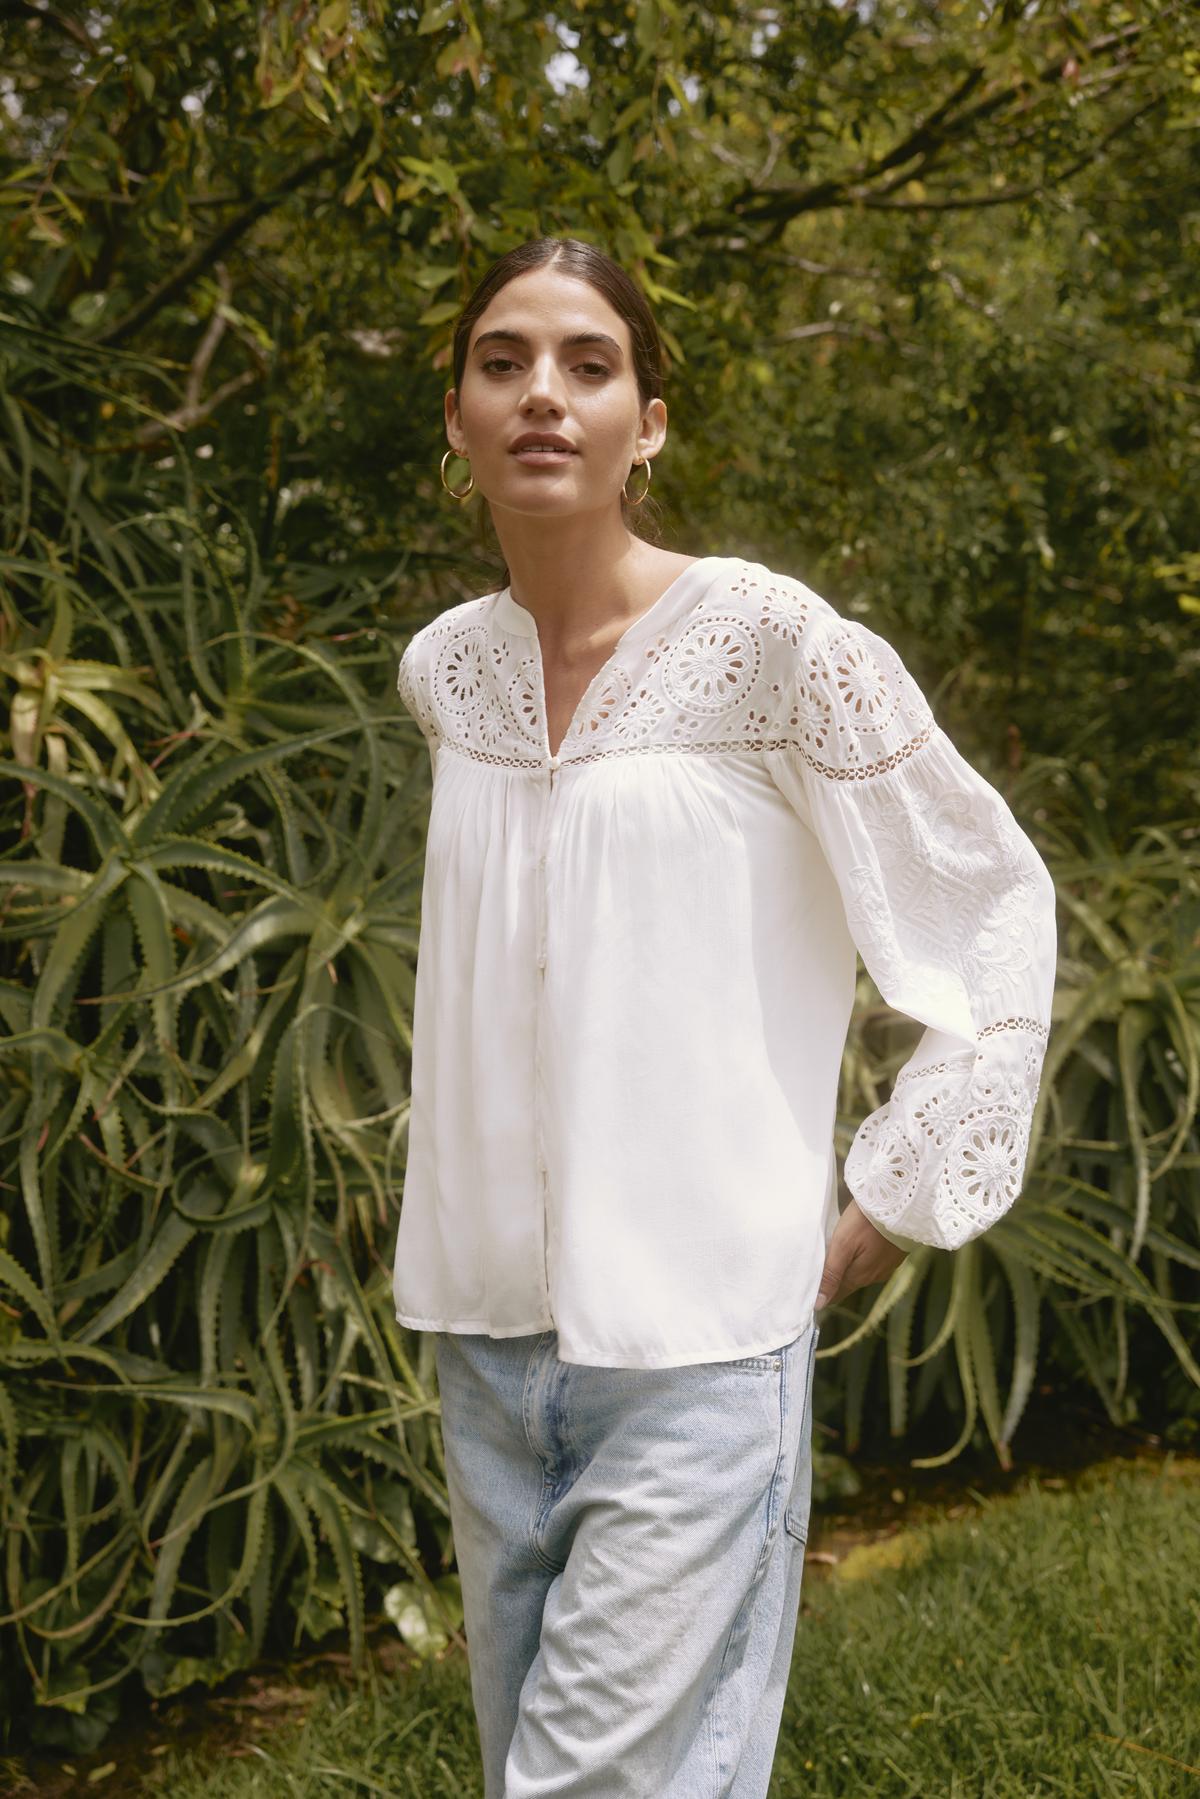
(671, 795)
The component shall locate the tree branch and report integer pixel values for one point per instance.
(205, 255)
(13, 9)
(185, 418)
(924, 143)
(1005, 196)
(207, 347)
(829, 328)
(196, 410)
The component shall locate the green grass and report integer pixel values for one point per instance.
(1006, 1660)
(1045, 1644)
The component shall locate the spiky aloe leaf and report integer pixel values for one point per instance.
(1104, 998)
(102, 1278)
(1027, 1306)
(14, 1277)
(983, 1358)
(191, 790)
(151, 915)
(161, 1254)
(171, 853)
(1184, 1033)
(899, 1338)
(1091, 1202)
(73, 937)
(1133, 1027)
(259, 1587)
(966, 1375)
(270, 922)
(51, 1042)
(332, 1513)
(185, 1518)
(291, 1487)
(104, 830)
(10, 1437)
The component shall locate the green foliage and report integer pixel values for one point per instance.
(925, 280)
(928, 298)
(1108, 1225)
(212, 1430)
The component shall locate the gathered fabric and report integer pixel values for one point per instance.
(637, 963)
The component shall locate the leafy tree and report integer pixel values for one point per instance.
(925, 276)
(926, 280)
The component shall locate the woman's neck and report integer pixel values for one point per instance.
(581, 581)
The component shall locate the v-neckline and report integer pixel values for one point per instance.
(514, 616)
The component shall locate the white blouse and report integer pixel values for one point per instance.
(637, 963)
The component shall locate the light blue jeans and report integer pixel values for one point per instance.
(631, 1544)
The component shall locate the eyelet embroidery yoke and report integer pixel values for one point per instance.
(629, 1135)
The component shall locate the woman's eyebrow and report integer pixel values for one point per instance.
(572, 341)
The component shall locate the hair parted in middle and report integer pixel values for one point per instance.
(585, 262)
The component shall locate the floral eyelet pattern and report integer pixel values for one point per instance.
(943, 894)
(462, 676)
(987, 1159)
(760, 662)
(608, 703)
(714, 665)
(944, 1158)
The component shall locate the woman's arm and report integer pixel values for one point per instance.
(952, 910)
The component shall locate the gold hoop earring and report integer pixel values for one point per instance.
(643, 462)
(456, 493)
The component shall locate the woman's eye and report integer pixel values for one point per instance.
(500, 363)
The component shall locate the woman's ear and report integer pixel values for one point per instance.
(652, 433)
(453, 421)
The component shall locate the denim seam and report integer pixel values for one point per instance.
(797, 1535)
(750, 1597)
(542, 1508)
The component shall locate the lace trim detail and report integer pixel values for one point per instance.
(493, 758)
(869, 771)
(856, 711)
(1031, 1025)
(624, 749)
(733, 747)
(968, 1055)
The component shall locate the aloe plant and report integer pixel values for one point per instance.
(207, 1098)
(1108, 1225)
(214, 1436)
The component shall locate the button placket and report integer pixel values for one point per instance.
(542, 857)
(542, 922)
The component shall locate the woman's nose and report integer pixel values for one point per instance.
(544, 386)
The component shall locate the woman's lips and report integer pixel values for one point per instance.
(532, 455)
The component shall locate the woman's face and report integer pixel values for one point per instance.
(523, 377)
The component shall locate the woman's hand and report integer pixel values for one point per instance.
(857, 1255)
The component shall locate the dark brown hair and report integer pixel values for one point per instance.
(571, 256)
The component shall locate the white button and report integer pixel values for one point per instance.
(554, 762)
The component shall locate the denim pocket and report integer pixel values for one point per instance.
(799, 1505)
(770, 1359)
